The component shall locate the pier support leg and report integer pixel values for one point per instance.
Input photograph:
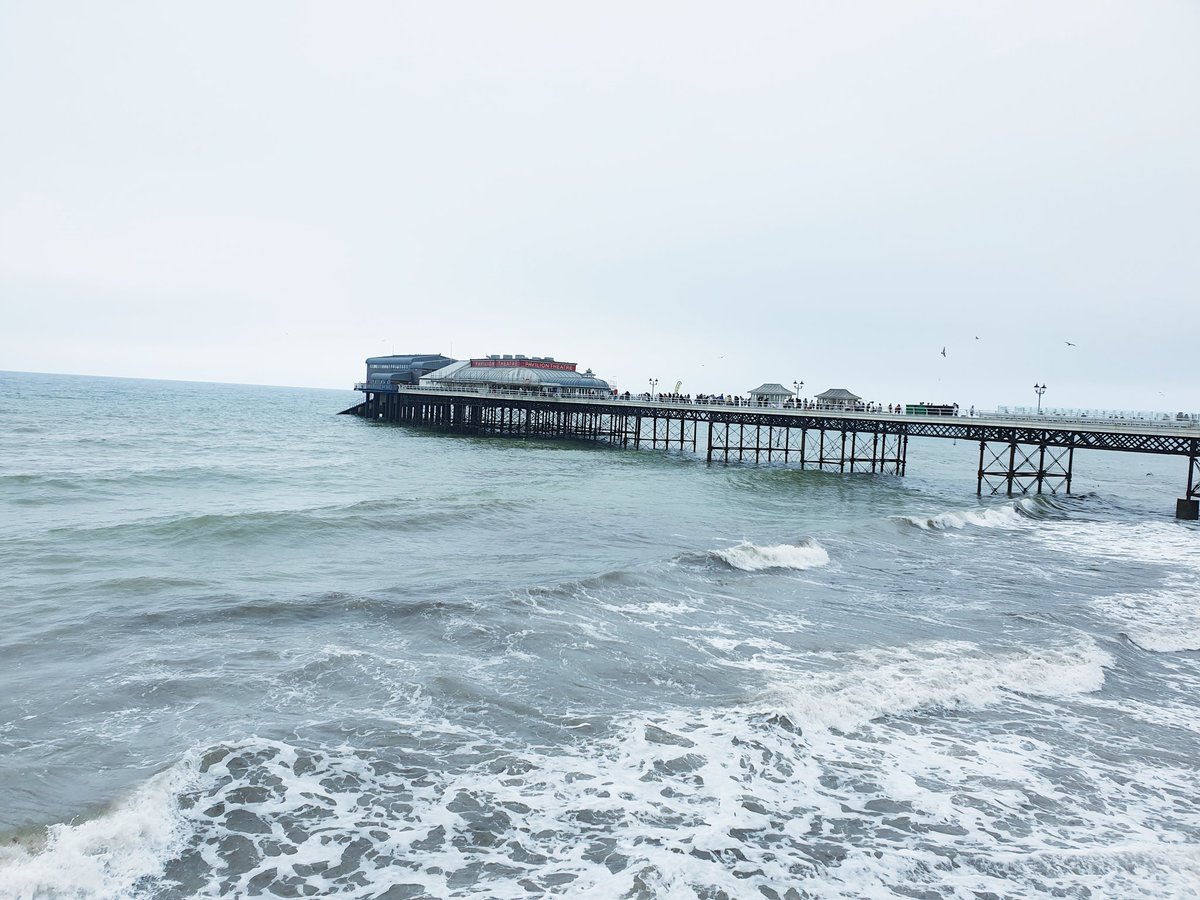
(1188, 507)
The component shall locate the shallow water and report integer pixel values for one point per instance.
(255, 648)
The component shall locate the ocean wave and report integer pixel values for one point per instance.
(336, 603)
(685, 802)
(108, 856)
(592, 586)
(624, 591)
(1165, 640)
(1006, 515)
(149, 584)
(748, 557)
(47, 487)
(870, 684)
(52, 488)
(380, 516)
(277, 611)
(1164, 620)
(1163, 542)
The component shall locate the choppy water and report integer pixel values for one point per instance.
(254, 648)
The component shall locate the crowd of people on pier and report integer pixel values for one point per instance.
(736, 400)
(768, 403)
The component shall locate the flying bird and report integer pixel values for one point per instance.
(1069, 344)
(943, 351)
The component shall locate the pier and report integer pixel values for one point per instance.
(1017, 454)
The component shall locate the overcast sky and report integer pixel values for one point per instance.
(718, 194)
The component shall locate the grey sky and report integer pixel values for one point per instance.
(718, 194)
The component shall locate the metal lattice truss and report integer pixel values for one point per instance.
(1013, 468)
(657, 432)
(1126, 441)
(822, 448)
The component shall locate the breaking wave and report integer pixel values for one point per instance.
(745, 801)
(870, 684)
(1006, 515)
(1166, 620)
(748, 557)
(111, 855)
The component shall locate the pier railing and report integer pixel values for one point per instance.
(1171, 425)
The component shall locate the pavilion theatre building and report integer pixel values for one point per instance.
(519, 374)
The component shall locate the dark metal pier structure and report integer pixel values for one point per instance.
(1017, 455)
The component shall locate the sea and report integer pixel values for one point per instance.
(251, 647)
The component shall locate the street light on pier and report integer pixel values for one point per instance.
(653, 386)
(1041, 389)
(797, 385)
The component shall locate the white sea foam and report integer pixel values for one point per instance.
(1145, 869)
(107, 856)
(1006, 515)
(651, 608)
(688, 802)
(1164, 620)
(1167, 543)
(1165, 640)
(755, 558)
(740, 644)
(866, 685)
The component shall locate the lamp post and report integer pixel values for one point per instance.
(1041, 389)
(797, 385)
(653, 385)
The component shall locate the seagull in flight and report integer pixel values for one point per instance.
(943, 351)
(1069, 344)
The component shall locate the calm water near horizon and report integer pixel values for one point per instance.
(253, 648)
